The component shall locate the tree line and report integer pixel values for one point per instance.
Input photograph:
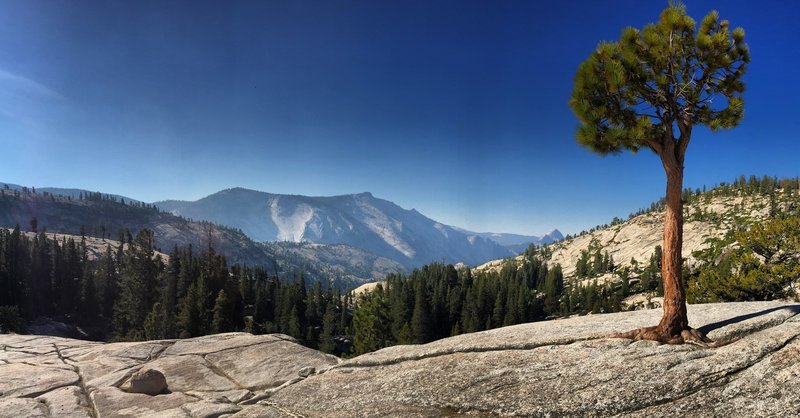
(132, 293)
(438, 301)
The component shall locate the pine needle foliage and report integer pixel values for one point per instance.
(656, 83)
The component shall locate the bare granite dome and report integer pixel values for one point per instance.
(555, 368)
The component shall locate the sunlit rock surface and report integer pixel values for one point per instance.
(556, 368)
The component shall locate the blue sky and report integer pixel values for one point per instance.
(458, 109)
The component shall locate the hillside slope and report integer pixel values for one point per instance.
(707, 217)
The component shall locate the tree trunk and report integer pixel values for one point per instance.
(674, 320)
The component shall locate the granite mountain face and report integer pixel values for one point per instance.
(359, 220)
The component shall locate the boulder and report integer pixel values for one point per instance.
(306, 371)
(148, 381)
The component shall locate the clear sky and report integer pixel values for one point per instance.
(458, 109)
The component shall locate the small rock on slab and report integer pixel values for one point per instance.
(148, 381)
(306, 371)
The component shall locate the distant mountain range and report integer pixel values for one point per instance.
(351, 238)
(518, 243)
(104, 216)
(358, 220)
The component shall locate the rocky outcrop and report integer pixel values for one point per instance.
(206, 377)
(705, 219)
(557, 368)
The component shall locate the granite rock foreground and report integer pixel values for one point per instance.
(555, 368)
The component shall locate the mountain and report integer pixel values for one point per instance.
(517, 243)
(104, 216)
(550, 237)
(359, 220)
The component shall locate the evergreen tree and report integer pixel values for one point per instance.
(402, 305)
(470, 318)
(421, 317)
(154, 323)
(189, 319)
(222, 320)
(554, 287)
(107, 279)
(598, 263)
(294, 327)
(371, 325)
(649, 90)
(138, 287)
(326, 343)
(169, 298)
(89, 306)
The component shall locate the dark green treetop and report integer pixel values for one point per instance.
(655, 84)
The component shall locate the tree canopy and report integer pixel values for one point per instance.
(654, 84)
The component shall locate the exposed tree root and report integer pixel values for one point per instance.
(686, 336)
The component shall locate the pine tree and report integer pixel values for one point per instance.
(189, 318)
(221, 321)
(154, 323)
(169, 297)
(371, 325)
(108, 286)
(648, 91)
(554, 287)
(294, 327)
(499, 311)
(138, 287)
(89, 306)
(421, 317)
(326, 343)
(402, 305)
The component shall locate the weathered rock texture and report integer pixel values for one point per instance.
(207, 377)
(557, 368)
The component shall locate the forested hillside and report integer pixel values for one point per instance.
(721, 226)
(133, 293)
(105, 216)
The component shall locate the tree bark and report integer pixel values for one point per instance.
(674, 326)
(674, 320)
